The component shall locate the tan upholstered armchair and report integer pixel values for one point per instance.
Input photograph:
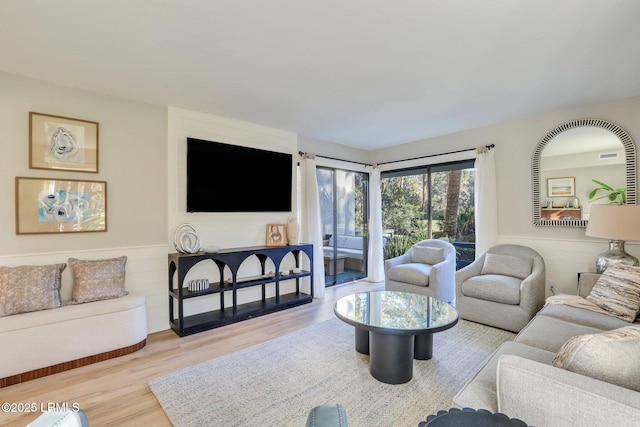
(428, 268)
(503, 287)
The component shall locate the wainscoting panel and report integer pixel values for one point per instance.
(146, 274)
(565, 258)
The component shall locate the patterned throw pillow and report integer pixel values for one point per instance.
(95, 280)
(610, 356)
(427, 255)
(617, 291)
(30, 288)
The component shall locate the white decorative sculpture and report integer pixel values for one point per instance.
(186, 239)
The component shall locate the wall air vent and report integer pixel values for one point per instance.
(607, 156)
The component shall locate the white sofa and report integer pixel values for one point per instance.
(48, 341)
(349, 247)
(42, 342)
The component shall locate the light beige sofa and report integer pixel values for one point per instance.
(42, 335)
(520, 381)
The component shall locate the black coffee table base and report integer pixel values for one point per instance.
(391, 355)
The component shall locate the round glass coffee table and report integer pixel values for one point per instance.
(394, 328)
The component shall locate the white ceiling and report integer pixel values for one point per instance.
(364, 73)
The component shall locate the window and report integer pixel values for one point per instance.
(429, 202)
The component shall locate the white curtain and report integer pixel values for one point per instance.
(486, 200)
(375, 270)
(312, 227)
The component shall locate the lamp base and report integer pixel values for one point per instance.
(615, 255)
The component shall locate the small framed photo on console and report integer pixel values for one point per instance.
(276, 235)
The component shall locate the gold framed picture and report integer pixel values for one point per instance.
(561, 187)
(62, 143)
(276, 235)
(52, 206)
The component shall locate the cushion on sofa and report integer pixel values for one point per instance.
(507, 265)
(610, 356)
(581, 316)
(617, 291)
(493, 287)
(353, 242)
(339, 242)
(549, 333)
(427, 254)
(413, 273)
(95, 280)
(30, 288)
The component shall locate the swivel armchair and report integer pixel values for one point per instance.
(428, 268)
(504, 287)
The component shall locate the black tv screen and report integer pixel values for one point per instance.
(231, 178)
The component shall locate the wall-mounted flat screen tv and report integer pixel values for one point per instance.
(231, 178)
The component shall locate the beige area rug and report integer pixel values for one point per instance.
(276, 383)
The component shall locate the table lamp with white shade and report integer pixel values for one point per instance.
(618, 223)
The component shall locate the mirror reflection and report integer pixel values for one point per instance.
(569, 159)
(568, 165)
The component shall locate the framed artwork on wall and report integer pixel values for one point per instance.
(52, 206)
(62, 143)
(561, 187)
(276, 235)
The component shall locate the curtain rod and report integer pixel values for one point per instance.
(489, 147)
(302, 153)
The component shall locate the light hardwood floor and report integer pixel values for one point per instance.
(115, 392)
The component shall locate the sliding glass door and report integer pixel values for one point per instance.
(344, 215)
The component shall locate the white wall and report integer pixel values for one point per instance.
(133, 158)
(142, 158)
(566, 251)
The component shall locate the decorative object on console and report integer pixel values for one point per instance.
(50, 206)
(62, 143)
(276, 235)
(210, 249)
(617, 223)
(198, 285)
(293, 231)
(186, 239)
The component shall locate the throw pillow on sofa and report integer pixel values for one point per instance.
(100, 279)
(507, 265)
(610, 356)
(427, 255)
(617, 291)
(30, 288)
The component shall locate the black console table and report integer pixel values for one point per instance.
(228, 286)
